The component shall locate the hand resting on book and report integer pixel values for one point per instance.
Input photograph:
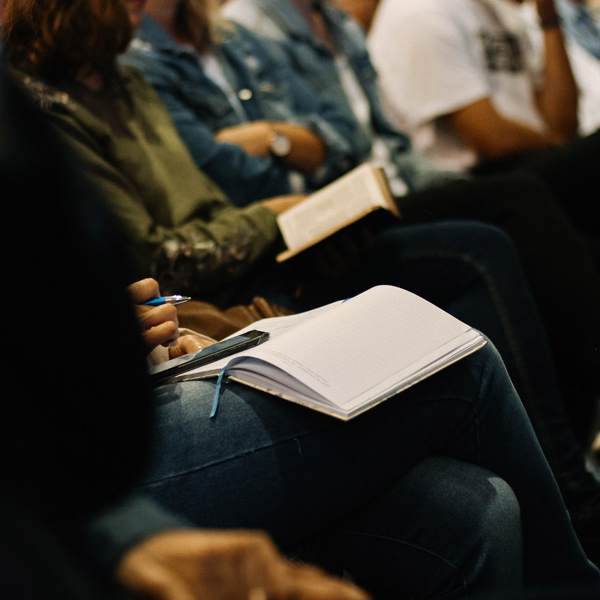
(280, 204)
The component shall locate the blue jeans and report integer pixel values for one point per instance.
(302, 476)
(472, 270)
(545, 217)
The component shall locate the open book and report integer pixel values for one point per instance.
(346, 357)
(348, 199)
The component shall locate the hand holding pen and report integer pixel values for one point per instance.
(159, 324)
(158, 321)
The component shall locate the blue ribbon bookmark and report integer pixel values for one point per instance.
(215, 404)
(222, 378)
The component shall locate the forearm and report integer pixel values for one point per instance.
(256, 177)
(491, 135)
(559, 95)
(307, 151)
(513, 138)
(205, 264)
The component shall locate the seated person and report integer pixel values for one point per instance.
(240, 112)
(579, 29)
(488, 101)
(75, 433)
(325, 48)
(222, 61)
(582, 32)
(328, 50)
(490, 97)
(70, 451)
(501, 86)
(183, 230)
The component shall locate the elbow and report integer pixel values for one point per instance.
(495, 145)
(566, 130)
(562, 119)
(311, 159)
(319, 157)
(501, 143)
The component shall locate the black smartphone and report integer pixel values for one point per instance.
(160, 373)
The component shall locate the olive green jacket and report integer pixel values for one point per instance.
(183, 230)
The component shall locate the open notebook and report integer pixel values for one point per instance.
(348, 356)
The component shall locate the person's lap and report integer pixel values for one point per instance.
(262, 460)
(557, 260)
(446, 529)
(472, 270)
(265, 463)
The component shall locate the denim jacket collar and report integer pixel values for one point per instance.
(237, 59)
(290, 20)
(150, 32)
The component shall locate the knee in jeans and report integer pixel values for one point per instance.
(491, 240)
(499, 513)
(475, 516)
(480, 504)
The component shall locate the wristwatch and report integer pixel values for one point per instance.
(279, 144)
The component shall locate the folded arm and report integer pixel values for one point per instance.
(559, 94)
(307, 151)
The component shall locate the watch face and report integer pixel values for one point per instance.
(280, 145)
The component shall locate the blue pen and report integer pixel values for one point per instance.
(176, 299)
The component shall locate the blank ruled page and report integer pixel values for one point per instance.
(352, 354)
(362, 342)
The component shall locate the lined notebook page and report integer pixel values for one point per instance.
(364, 341)
(357, 347)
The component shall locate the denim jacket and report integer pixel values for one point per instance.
(292, 39)
(267, 90)
(579, 26)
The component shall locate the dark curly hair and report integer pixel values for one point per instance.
(60, 38)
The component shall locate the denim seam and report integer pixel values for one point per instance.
(498, 300)
(512, 340)
(241, 454)
(536, 415)
(408, 544)
(295, 437)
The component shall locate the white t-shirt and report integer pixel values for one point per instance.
(437, 56)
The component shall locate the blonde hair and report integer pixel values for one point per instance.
(201, 22)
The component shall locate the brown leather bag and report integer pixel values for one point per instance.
(216, 323)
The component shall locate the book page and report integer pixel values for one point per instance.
(364, 341)
(276, 326)
(362, 346)
(271, 379)
(353, 195)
